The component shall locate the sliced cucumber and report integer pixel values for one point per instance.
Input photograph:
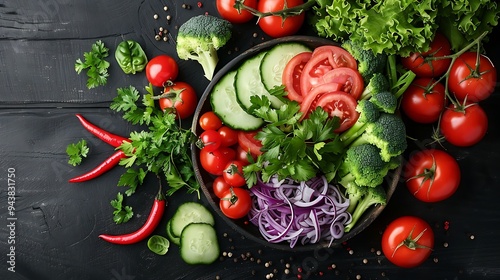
(187, 213)
(248, 83)
(199, 244)
(275, 60)
(225, 105)
(174, 239)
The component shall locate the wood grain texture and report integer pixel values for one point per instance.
(58, 223)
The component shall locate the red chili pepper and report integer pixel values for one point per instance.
(110, 138)
(109, 163)
(147, 229)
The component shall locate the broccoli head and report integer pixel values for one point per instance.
(373, 196)
(368, 112)
(388, 133)
(385, 101)
(200, 37)
(377, 83)
(369, 63)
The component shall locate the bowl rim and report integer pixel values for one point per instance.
(368, 217)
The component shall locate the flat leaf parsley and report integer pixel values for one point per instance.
(77, 151)
(95, 64)
(162, 149)
(121, 214)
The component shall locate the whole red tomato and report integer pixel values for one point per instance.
(228, 135)
(416, 62)
(210, 140)
(214, 162)
(472, 76)
(161, 69)
(464, 126)
(424, 100)
(274, 26)
(233, 174)
(228, 12)
(220, 187)
(432, 175)
(181, 98)
(407, 241)
(236, 203)
(210, 121)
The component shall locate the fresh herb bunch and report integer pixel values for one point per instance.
(163, 149)
(96, 65)
(77, 151)
(293, 149)
(122, 213)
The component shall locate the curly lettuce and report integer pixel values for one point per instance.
(403, 26)
(462, 21)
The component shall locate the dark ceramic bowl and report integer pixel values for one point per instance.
(248, 229)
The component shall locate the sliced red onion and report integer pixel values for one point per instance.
(305, 212)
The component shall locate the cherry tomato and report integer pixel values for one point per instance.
(432, 175)
(214, 162)
(220, 186)
(229, 136)
(439, 47)
(242, 155)
(210, 140)
(342, 105)
(470, 79)
(422, 102)
(228, 12)
(248, 142)
(408, 241)
(274, 26)
(310, 101)
(236, 203)
(324, 59)
(350, 79)
(161, 69)
(182, 99)
(233, 174)
(291, 75)
(209, 120)
(464, 127)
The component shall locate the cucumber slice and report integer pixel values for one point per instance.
(248, 83)
(174, 239)
(225, 105)
(199, 244)
(275, 60)
(187, 213)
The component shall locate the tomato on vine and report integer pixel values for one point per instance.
(425, 64)
(227, 10)
(424, 100)
(275, 26)
(432, 175)
(408, 241)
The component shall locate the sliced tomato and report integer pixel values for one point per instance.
(291, 75)
(248, 142)
(350, 79)
(324, 59)
(311, 99)
(342, 105)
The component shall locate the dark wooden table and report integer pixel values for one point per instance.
(57, 223)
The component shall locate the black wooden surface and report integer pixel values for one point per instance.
(58, 223)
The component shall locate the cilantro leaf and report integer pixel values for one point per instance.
(95, 64)
(77, 151)
(121, 214)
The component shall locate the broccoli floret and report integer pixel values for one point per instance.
(352, 191)
(377, 83)
(388, 133)
(373, 196)
(369, 63)
(368, 113)
(385, 101)
(200, 37)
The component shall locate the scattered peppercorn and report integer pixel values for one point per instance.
(199, 4)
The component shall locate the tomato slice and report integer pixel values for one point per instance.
(291, 75)
(324, 59)
(342, 105)
(248, 142)
(351, 80)
(311, 99)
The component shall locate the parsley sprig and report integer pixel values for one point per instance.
(162, 149)
(77, 151)
(293, 148)
(121, 214)
(95, 64)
